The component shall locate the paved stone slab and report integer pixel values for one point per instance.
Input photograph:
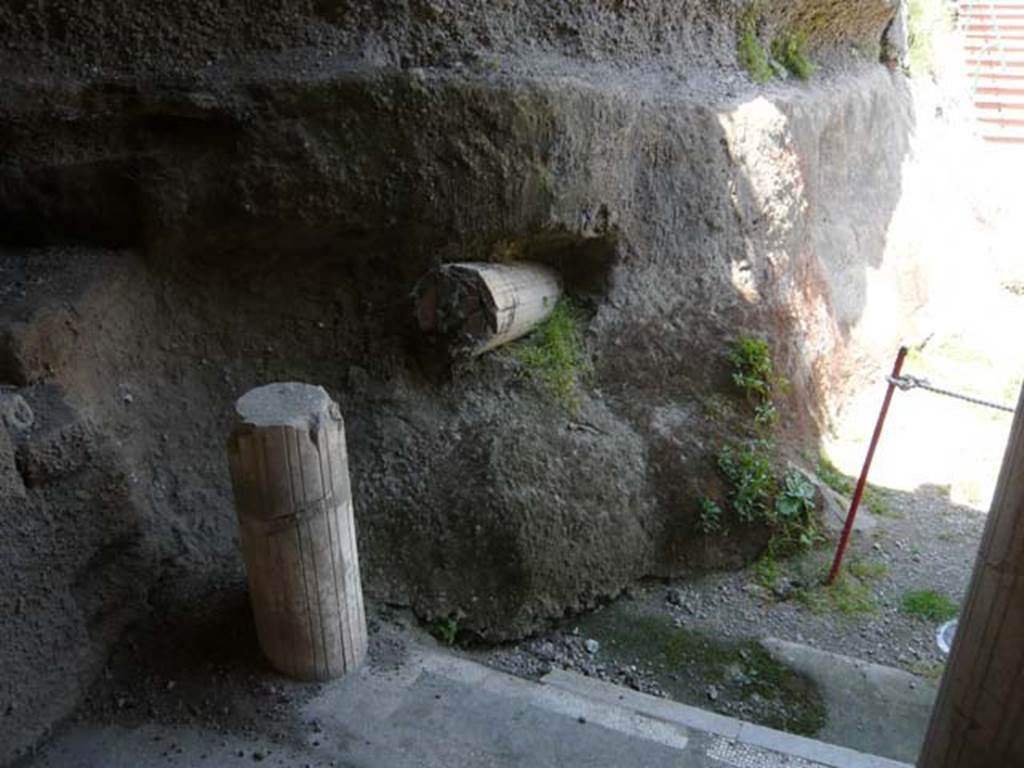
(442, 711)
(770, 746)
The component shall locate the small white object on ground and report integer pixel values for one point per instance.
(944, 637)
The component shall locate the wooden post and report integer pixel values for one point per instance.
(289, 470)
(978, 721)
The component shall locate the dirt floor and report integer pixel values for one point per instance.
(199, 665)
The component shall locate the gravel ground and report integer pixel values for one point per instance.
(922, 542)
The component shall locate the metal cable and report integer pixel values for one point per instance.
(907, 383)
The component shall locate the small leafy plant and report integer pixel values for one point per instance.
(795, 524)
(753, 373)
(753, 370)
(756, 495)
(748, 468)
(447, 630)
(876, 500)
(710, 519)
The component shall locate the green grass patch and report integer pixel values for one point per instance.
(875, 499)
(849, 595)
(555, 355)
(928, 669)
(790, 50)
(866, 571)
(929, 605)
(767, 571)
(879, 502)
(752, 54)
(830, 475)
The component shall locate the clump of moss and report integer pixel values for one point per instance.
(753, 56)
(749, 682)
(790, 50)
(554, 354)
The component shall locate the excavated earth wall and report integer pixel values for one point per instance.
(197, 198)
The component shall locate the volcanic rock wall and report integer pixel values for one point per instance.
(198, 197)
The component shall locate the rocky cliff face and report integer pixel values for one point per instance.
(198, 198)
(120, 36)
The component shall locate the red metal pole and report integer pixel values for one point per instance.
(844, 539)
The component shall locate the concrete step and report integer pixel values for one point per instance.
(869, 707)
(730, 739)
(442, 711)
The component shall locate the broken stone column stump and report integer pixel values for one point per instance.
(475, 307)
(289, 471)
